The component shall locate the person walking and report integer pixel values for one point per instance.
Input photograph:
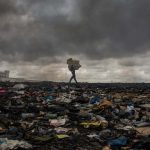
(73, 65)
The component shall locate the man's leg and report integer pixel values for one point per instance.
(70, 80)
(74, 76)
(75, 79)
(70, 83)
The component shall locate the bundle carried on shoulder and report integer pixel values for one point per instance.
(73, 63)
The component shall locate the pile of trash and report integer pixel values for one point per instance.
(46, 116)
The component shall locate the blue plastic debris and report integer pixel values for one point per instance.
(121, 141)
(49, 98)
(95, 100)
(109, 97)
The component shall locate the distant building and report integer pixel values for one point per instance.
(4, 76)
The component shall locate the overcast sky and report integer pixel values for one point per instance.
(111, 38)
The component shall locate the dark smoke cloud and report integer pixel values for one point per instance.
(97, 29)
(7, 6)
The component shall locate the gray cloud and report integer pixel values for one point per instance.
(98, 29)
(7, 6)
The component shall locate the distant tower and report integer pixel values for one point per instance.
(7, 73)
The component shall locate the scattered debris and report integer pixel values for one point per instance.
(36, 116)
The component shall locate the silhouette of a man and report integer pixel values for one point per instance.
(72, 66)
